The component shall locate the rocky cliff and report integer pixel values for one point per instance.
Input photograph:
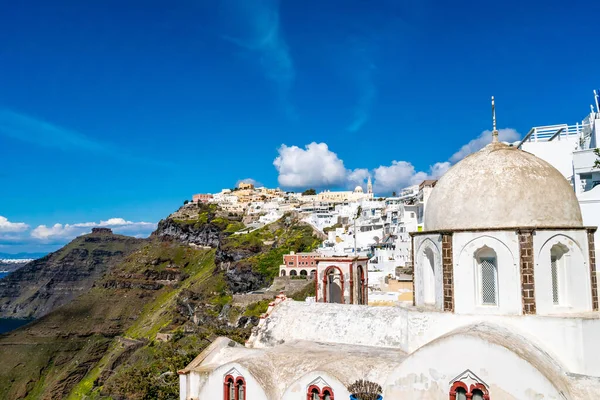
(152, 312)
(51, 281)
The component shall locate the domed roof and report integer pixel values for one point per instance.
(502, 187)
(358, 189)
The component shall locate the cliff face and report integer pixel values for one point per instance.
(149, 313)
(199, 234)
(47, 283)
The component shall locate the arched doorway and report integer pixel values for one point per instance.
(283, 272)
(293, 273)
(303, 273)
(333, 284)
(428, 276)
(361, 285)
(313, 273)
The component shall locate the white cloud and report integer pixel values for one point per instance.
(402, 174)
(313, 166)
(319, 167)
(504, 135)
(11, 227)
(60, 232)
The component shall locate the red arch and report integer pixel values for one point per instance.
(240, 379)
(325, 283)
(327, 388)
(469, 391)
(482, 388)
(228, 379)
(310, 389)
(362, 285)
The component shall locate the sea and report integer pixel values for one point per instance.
(7, 325)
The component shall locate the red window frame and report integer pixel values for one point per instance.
(229, 379)
(469, 390)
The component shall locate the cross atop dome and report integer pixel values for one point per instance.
(494, 131)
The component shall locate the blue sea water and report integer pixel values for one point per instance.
(7, 325)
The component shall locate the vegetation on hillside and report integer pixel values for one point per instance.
(148, 316)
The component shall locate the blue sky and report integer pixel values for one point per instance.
(114, 112)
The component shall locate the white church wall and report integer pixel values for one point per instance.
(591, 344)
(428, 284)
(409, 329)
(428, 373)
(183, 387)
(298, 389)
(467, 291)
(590, 211)
(213, 386)
(573, 272)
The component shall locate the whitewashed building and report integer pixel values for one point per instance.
(506, 306)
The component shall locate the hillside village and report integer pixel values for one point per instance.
(480, 285)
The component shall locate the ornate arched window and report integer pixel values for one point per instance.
(229, 388)
(327, 393)
(240, 388)
(428, 271)
(558, 267)
(461, 391)
(314, 393)
(487, 276)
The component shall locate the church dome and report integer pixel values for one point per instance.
(358, 189)
(502, 187)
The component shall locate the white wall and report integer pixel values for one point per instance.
(421, 243)
(409, 329)
(428, 373)
(466, 293)
(575, 294)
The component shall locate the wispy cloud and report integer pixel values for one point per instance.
(258, 31)
(368, 92)
(28, 129)
(361, 69)
(39, 132)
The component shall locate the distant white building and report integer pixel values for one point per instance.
(572, 150)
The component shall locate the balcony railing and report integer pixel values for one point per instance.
(552, 132)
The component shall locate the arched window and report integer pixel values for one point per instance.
(428, 270)
(477, 394)
(229, 388)
(487, 276)
(558, 269)
(460, 391)
(293, 273)
(240, 389)
(313, 273)
(303, 273)
(461, 394)
(314, 393)
(283, 272)
(327, 394)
